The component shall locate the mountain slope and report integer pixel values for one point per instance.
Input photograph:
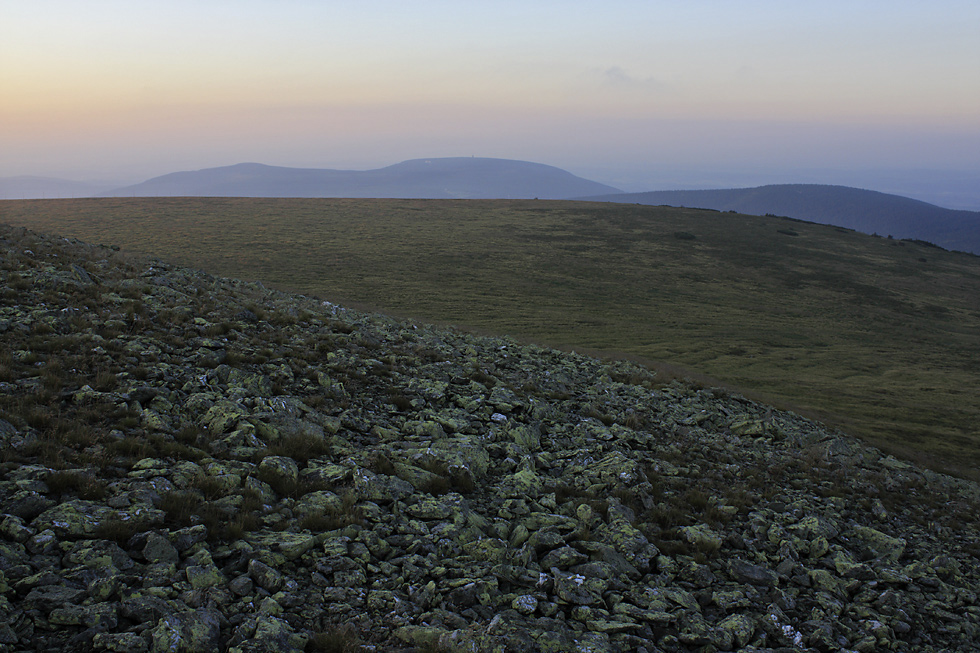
(441, 178)
(863, 210)
(191, 463)
(875, 334)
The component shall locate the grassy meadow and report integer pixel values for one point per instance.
(878, 336)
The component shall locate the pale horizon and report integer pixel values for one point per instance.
(631, 94)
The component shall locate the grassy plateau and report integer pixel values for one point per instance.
(877, 336)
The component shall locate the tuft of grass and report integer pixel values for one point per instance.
(241, 524)
(189, 434)
(181, 506)
(300, 447)
(339, 639)
(347, 514)
(667, 516)
(401, 402)
(480, 376)
(437, 486)
(81, 484)
(381, 464)
(697, 499)
(187, 507)
(117, 530)
(105, 381)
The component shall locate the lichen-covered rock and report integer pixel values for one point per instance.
(746, 572)
(225, 467)
(120, 642)
(278, 469)
(74, 518)
(881, 545)
(380, 488)
(271, 633)
(195, 631)
(615, 468)
(159, 549)
(701, 537)
(733, 632)
(222, 417)
(13, 528)
(578, 589)
(265, 576)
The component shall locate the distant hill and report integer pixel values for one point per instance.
(443, 178)
(863, 210)
(29, 187)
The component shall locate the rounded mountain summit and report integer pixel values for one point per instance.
(439, 178)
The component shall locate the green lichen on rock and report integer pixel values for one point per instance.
(198, 464)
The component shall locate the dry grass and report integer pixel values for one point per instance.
(853, 330)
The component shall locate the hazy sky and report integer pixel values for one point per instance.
(619, 91)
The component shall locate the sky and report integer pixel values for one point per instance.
(637, 94)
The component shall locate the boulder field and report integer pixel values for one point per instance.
(191, 463)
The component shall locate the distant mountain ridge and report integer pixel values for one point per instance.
(855, 208)
(438, 178)
(867, 211)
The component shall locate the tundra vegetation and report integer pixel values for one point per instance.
(877, 336)
(196, 463)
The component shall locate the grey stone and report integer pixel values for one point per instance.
(159, 549)
(187, 632)
(744, 572)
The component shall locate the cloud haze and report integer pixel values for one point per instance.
(120, 89)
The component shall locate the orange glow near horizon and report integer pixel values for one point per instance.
(183, 74)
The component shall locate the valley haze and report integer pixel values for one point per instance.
(636, 95)
(867, 211)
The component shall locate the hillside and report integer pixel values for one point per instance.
(418, 178)
(867, 211)
(191, 463)
(875, 335)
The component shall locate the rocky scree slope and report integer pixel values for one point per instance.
(200, 464)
